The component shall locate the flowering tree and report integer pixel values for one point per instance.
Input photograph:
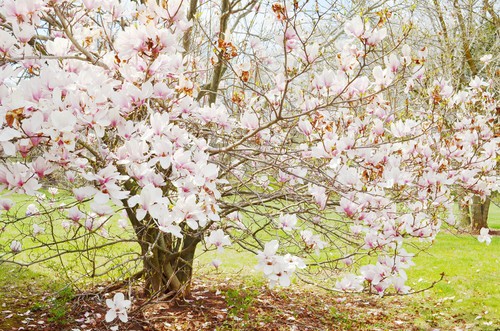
(468, 37)
(313, 141)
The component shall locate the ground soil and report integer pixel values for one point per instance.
(212, 305)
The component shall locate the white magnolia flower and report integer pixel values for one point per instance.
(117, 308)
(484, 236)
(486, 58)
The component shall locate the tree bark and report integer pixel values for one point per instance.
(479, 213)
(168, 270)
(464, 214)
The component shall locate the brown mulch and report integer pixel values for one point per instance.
(216, 305)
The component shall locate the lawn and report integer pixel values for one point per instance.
(467, 297)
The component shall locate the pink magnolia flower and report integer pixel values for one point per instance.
(167, 224)
(266, 256)
(6, 136)
(122, 223)
(393, 63)
(83, 193)
(219, 239)
(376, 36)
(350, 282)
(31, 210)
(249, 121)
(149, 196)
(312, 241)
(305, 127)
(75, 214)
(41, 167)
(355, 27)
(37, 229)
(216, 263)
(6, 204)
(348, 207)
(287, 222)
(63, 121)
(58, 46)
(486, 58)
(187, 209)
(319, 195)
(399, 285)
(15, 246)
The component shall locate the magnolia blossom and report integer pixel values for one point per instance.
(15, 246)
(484, 236)
(249, 121)
(117, 308)
(305, 127)
(486, 58)
(53, 190)
(6, 204)
(350, 282)
(355, 27)
(319, 194)
(58, 46)
(278, 269)
(122, 223)
(32, 210)
(75, 214)
(37, 229)
(312, 241)
(149, 196)
(287, 222)
(219, 239)
(216, 263)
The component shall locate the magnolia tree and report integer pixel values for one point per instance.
(464, 41)
(142, 131)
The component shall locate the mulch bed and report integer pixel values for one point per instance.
(214, 305)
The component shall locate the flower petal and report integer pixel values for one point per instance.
(110, 315)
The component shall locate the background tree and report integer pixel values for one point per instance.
(466, 32)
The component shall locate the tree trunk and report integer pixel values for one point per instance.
(479, 213)
(464, 214)
(168, 270)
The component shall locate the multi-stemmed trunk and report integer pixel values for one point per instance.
(168, 268)
(167, 260)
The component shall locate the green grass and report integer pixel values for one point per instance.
(470, 287)
(494, 216)
(25, 290)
